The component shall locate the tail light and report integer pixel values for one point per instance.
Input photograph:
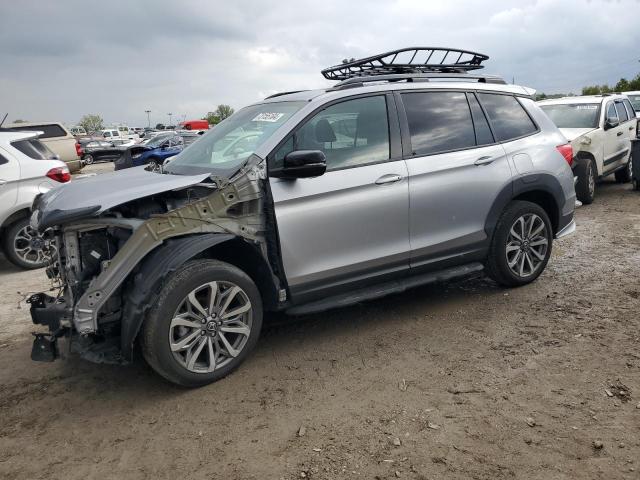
(566, 151)
(79, 151)
(59, 174)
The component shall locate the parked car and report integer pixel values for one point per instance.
(100, 150)
(156, 150)
(117, 136)
(373, 186)
(194, 125)
(634, 98)
(600, 129)
(78, 131)
(57, 138)
(27, 169)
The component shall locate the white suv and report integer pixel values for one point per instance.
(600, 129)
(634, 98)
(27, 168)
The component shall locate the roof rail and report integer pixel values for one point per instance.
(408, 60)
(417, 77)
(279, 94)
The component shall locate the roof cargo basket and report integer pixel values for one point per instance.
(408, 60)
(410, 64)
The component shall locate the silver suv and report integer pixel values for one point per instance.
(395, 177)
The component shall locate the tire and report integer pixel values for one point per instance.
(505, 246)
(26, 248)
(635, 182)
(173, 334)
(586, 185)
(624, 175)
(88, 159)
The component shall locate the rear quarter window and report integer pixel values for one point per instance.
(508, 117)
(35, 149)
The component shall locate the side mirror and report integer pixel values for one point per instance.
(610, 123)
(301, 164)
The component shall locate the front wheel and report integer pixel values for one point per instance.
(521, 245)
(206, 320)
(586, 184)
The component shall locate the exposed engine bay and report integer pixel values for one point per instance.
(101, 257)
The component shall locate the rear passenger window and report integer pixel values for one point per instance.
(33, 148)
(508, 118)
(622, 112)
(438, 121)
(483, 132)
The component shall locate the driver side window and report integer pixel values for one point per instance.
(351, 133)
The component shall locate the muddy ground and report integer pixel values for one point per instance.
(456, 381)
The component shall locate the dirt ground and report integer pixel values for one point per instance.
(456, 381)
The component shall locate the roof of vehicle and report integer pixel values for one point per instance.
(12, 136)
(633, 92)
(580, 99)
(33, 124)
(457, 82)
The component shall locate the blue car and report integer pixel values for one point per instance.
(156, 150)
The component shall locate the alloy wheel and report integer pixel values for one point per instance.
(211, 326)
(33, 248)
(88, 159)
(527, 245)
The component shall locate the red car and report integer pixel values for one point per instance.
(194, 125)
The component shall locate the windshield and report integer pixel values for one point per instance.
(159, 139)
(230, 143)
(635, 101)
(579, 115)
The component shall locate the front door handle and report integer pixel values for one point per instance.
(619, 133)
(484, 161)
(390, 178)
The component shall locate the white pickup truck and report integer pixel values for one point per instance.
(600, 129)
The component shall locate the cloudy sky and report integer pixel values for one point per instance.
(62, 59)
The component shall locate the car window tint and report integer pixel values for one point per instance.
(483, 132)
(622, 112)
(33, 149)
(351, 133)
(612, 114)
(438, 121)
(49, 131)
(508, 118)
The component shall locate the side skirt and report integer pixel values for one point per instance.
(383, 289)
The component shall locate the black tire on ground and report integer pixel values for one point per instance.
(624, 175)
(156, 329)
(497, 264)
(585, 168)
(9, 249)
(88, 159)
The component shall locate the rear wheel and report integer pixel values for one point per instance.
(88, 159)
(624, 175)
(521, 245)
(586, 184)
(26, 247)
(206, 320)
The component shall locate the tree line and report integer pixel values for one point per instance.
(623, 85)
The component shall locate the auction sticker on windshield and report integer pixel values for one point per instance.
(586, 107)
(268, 117)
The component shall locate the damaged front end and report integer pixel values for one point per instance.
(117, 245)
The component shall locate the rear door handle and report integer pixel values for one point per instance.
(484, 161)
(619, 133)
(390, 178)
